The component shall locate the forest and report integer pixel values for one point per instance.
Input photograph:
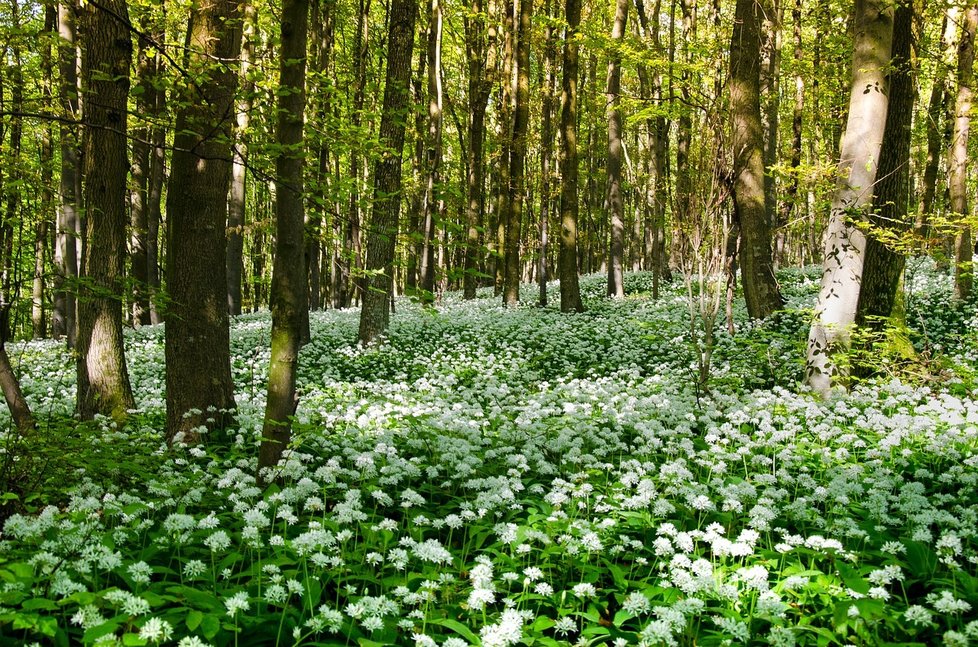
(511, 322)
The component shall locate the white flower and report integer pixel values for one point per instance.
(585, 590)
(156, 630)
(237, 602)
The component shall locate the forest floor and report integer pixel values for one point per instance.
(503, 477)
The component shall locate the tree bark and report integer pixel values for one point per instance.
(958, 157)
(570, 291)
(103, 379)
(375, 313)
(845, 242)
(199, 389)
(289, 296)
(750, 187)
(616, 207)
(885, 253)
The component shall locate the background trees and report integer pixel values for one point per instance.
(722, 119)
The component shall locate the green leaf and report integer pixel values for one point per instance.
(458, 628)
(133, 640)
(39, 604)
(194, 619)
(210, 625)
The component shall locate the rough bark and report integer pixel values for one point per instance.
(750, 187)
(616, 207)
(845, 242)
(103, 379)
(885, 254)
(375, 313)
(289, 296)
(570, 291)
(199, 389)
(958, 156)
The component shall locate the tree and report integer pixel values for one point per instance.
(289, 296)
(845, 243)
(884, 261)
(616, 206)
(375, 313)
(517, 157)
(478, 95)
(570, 291)
(749, 185)
(433, 153)
(199, 389)
(239, 169)
(68, 229)
(103, 379)
(958, 156)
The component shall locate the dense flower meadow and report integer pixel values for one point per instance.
(515, 477)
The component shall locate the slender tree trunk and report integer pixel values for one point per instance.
(66, 249)
(375, 313)
(616, 207)
(504, 137)
(155, 179)
(570, 291)
(433, 155)
(353, 281)
(958, 157)
(323, 40)
(546, 150)
(199, 389)
(237, 197)
(517, 158)
(45, 217)
(750, 186)
(845, 242)
(12, 158)
(289, 272)
(478, 96)
(103, 380)
(884, 262)
(935, 146)
(791, 206)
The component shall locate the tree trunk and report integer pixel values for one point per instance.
(570, 291)
(289, 300)
(884, 251)
(517, 158)
(478, 96)
(433, 155)
(616, 208)
(958, 157)
(199, 389)
(749, 184)
(845, 242)
(63, 320)
(239, 170)
(103, 380)
(546, 150)
(45, 217)
(375, 313)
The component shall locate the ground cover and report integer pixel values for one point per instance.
(503, 477)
